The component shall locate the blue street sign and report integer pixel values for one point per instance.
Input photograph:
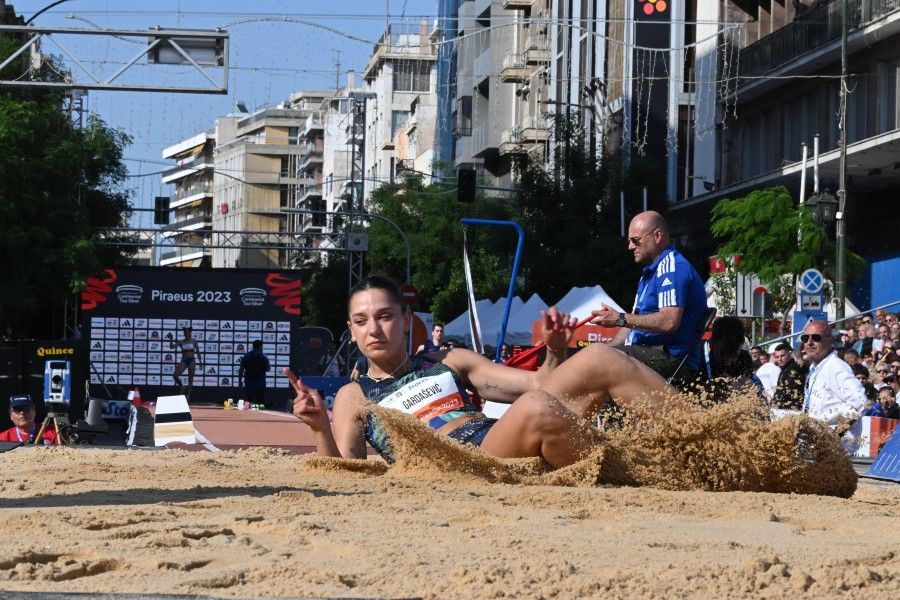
(811, 281)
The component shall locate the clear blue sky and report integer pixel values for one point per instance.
(269, 61)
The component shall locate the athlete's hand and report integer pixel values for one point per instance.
(557, 328)
(308, 405)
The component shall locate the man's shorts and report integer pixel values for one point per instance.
(657, 359)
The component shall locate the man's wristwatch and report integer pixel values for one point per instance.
(620, 322)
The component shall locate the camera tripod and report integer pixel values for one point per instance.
(64, 429)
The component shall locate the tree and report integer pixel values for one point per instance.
(570, 213)
(775, 239)
(430, 217)
(58, 184)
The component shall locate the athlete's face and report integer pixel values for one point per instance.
(378, 324)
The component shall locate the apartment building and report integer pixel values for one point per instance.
(787, 92)
(337, 121)
(191, 202)
(400, 78)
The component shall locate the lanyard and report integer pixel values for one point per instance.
(28, 439)
(807, 390)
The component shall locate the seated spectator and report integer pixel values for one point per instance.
(851, 357)
(888, 403)
(22, 414)
(725, 366)
(862, 374)
(872, 409)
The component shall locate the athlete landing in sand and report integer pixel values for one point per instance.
(433, 388)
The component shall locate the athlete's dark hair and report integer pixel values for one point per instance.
(377, 282)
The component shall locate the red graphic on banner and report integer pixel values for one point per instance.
(97, 289)
(286, 292)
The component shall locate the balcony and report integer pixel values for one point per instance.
(514, 69)
(188, 168)
(806, 33)
(530, 133)
(190, 222)
(518, 4)
(309, 193)
(484, 141)
(183, 254)
(537, 50)
(312, 158)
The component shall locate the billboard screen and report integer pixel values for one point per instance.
(132, 315)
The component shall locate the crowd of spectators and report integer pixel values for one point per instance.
(869, 344)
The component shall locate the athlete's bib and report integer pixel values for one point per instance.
(427, 397)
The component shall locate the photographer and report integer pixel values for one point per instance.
(22, 413)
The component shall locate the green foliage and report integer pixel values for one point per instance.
(57, 185)
(429, 216)
(325, 295)
(572, 221)
(762, 228)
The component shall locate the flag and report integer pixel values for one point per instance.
(474, 326)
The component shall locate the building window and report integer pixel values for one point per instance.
(887, 97)
(398, 120)
(412, 76)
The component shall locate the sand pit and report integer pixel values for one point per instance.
(261, 522)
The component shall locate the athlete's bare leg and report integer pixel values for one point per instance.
(537, 424)
(587, 379)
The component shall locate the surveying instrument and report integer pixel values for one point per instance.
(57, 398)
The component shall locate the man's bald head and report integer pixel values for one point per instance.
(650, 220)
(648, 236)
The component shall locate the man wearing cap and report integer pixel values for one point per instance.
(768, 372)
(22, 414)
(832, 393)
(669, 306)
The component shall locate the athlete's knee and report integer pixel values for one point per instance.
(540, 411)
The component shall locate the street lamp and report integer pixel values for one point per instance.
(824, 207)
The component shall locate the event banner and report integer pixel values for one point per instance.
(132, 317)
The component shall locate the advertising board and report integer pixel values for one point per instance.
(132, 317)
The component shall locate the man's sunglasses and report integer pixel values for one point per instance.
(637, 239)
(20, 409)
(816, 337)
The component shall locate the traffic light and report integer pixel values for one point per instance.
(161, 210)
(465, 185)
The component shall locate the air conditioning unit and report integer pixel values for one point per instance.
(358, 242)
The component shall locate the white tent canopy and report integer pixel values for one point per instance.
(458, 328)
(580, 301)
(518, 330)
(490, 322)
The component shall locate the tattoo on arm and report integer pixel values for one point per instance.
(491, 386)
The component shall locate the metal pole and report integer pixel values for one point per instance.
(645, 198)
(816, 164)
(622, 210)
(501, 334)
(802, 194)
(840, 259)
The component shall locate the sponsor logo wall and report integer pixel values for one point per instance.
(133, 318)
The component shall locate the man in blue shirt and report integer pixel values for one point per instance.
(252, 372)
(669, 306)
